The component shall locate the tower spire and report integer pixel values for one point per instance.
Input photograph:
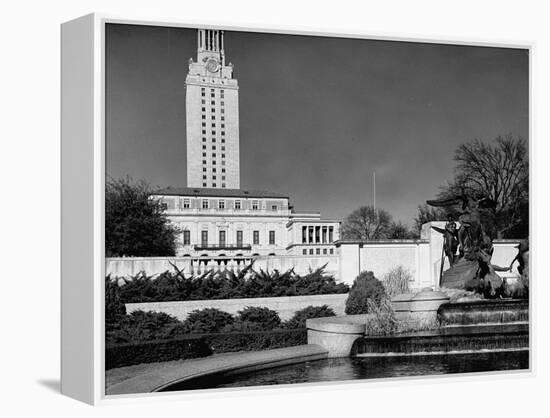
(210, 43)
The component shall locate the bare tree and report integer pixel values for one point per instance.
(366, 223)
(398, 230)
(499, 171)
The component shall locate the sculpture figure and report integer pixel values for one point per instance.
(472, 270)
(450, 239)
(522, 257)
(472, 236)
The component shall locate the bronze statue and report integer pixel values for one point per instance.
(472, 236)
(472, 269)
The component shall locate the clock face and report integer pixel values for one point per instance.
(212, 65)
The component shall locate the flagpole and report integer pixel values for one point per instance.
(374, 189)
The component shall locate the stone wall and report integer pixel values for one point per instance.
(382, 258)
(285, 306)
(422, 258)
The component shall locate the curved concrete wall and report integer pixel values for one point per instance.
(336, 334)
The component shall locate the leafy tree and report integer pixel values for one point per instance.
(365, 287)
(499, 171)
(366, 223)
(135, 224)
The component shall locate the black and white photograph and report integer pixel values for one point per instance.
(290, 209)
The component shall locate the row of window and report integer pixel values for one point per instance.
(212, 92)
(222, 238)
(223, 204)
(317, 251)
(214, 148)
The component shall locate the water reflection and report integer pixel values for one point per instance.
(367, 368)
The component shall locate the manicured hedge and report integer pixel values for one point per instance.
(187, 347)
(255, 341)
(200, 345)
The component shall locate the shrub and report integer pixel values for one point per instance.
(128, 354)
(255, 341)
(142, 326)
(115, 310)
(381, 320)
(267, 318)
(300, 317)
(200, 345)
(365, 287)
(247, 283)
(396, 281)
(207, 320)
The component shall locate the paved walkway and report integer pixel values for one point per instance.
(145, 378)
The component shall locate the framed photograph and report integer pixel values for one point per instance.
(248, 207)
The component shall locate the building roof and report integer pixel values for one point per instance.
(210, 192)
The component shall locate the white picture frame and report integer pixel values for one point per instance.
(82, 190)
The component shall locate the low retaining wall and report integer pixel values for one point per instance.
(285, 306)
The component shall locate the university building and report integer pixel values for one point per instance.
(218, 218)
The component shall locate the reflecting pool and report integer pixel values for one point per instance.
(354, 368)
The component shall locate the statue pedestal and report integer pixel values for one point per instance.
(419, 307)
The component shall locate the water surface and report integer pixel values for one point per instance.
(355, 368)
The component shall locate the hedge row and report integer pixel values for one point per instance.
(248, 283)
(255, 341)
(187, 347)
(201, 345)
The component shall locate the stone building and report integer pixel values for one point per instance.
(217, 218)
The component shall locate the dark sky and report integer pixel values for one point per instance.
(317, 115)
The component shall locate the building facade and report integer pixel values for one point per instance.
(244, 223)
(217, 218)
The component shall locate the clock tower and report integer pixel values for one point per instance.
(212, 116)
